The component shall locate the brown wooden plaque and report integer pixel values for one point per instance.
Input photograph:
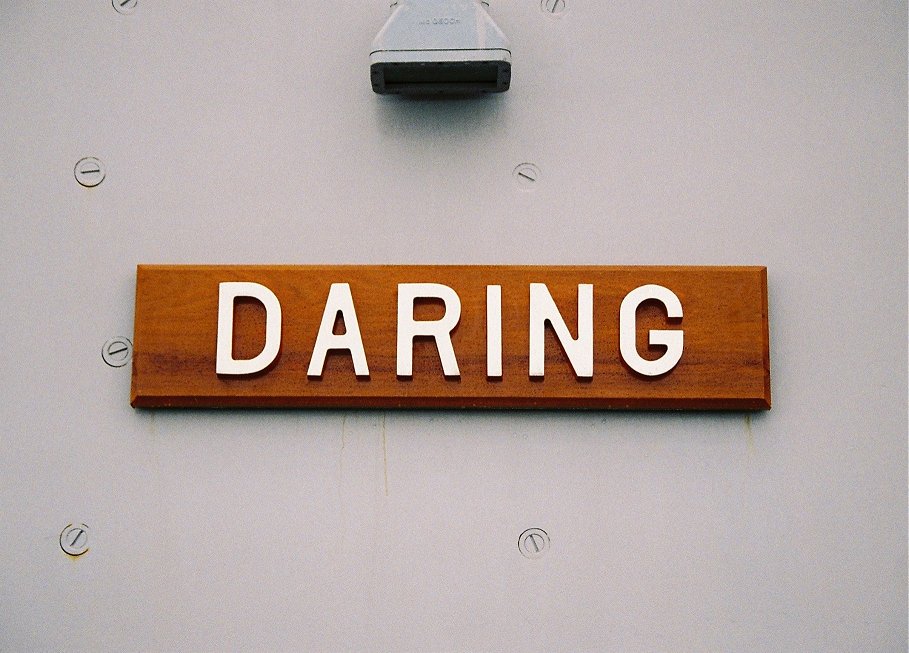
(589, 357)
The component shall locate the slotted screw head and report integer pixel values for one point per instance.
(89, 171)
(553, 7)
(117, 352)
(527, 175)
(74, 539)
(125, 6)
(533, 543)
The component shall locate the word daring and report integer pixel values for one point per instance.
(542, 310)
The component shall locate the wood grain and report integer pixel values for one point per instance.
(725, 365)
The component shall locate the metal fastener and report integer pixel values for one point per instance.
(89, 171)
(533, 543)
(526, 175)
(553, 7)
(117, 352)
(74, 539)
(125, 6)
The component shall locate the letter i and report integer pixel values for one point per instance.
(494, 331)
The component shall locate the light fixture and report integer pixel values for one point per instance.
(449, 47)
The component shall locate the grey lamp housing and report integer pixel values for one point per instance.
(440, 47)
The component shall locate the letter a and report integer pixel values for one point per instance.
(339, 301)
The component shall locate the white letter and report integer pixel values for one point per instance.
(543, 309)
(441, 329)
(227, 293)
(494, 331)
(672, 340)
(339, 301)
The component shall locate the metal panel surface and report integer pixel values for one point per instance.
(713, 133)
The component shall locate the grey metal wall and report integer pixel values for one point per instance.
(769, 133)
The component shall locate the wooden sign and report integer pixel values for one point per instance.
(452, 337)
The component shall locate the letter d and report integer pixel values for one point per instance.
(225, 363)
